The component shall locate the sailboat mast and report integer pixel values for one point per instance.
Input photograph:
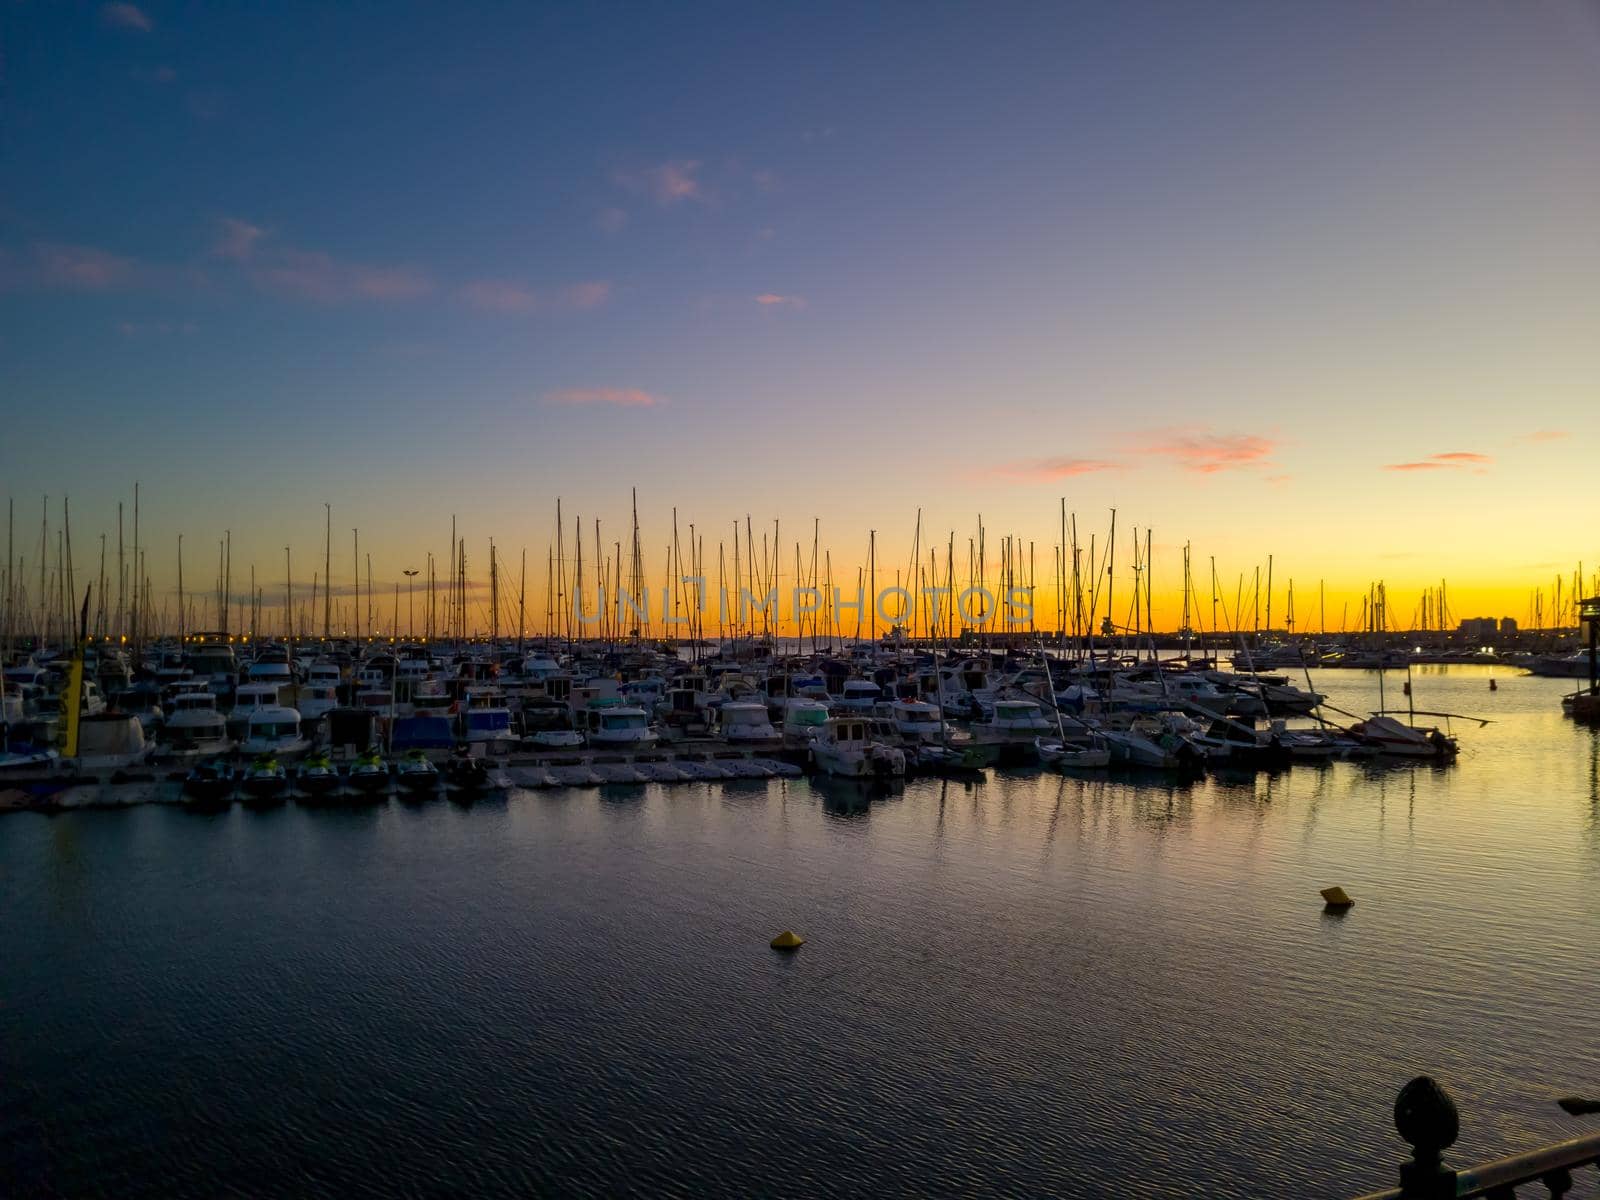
(327, 571)
(134, 620)
(872, 585)
(1269, 593)
(355, 565)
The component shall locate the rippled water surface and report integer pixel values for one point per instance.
(1032, 985)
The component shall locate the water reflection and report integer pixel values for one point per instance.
(1041, 984)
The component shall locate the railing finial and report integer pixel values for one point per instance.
(1425, 1116)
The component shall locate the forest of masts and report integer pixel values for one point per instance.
(44, 590)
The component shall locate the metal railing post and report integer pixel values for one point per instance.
(1425, 1116)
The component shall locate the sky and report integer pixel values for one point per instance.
(1308, 280)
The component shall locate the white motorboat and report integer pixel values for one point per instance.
(315, 700)
(615, 724)
(249, 698)
(746, 721)
(845, 748)
(194, 728)
(858, 696)
(918, 722)
(1015, 722)
(274, 732)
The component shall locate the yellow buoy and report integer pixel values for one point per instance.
(788, 940)
(1336, 897)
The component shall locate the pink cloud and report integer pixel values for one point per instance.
(1546, 435)
(310, 274)
(591, 294)
(82, 268)
(669, 183)
(1042, 470)
(313, 275)
(502, 296)
(1443, 462)
(611, 220)
(126, 16)
(236, 239)
(1455, 459)
(491, 295)
(1208, 453)
(775, 300)
(61, 266)
(621, 397)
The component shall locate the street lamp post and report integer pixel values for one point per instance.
(411, 624)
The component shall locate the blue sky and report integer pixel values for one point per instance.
(1223, 266)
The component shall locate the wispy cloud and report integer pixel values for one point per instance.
(611, 219)
(1546, 435)
(619, 397)
(58, 266)
(162, 74)
(1453, 460)
(236, 239)
(126, 16)
(1207, 453)
(505, 296)
(776, 300)
(493, 295)
(668, 183)
(312, 274)
(1042, 470)
(591, 294)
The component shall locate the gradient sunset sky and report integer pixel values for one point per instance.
(1315, 280)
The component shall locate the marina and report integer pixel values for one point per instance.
(490, 717)
(1007, 982)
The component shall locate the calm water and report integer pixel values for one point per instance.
(1034, 985)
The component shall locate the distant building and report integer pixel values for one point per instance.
(1480, 627)
(1508, 625)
